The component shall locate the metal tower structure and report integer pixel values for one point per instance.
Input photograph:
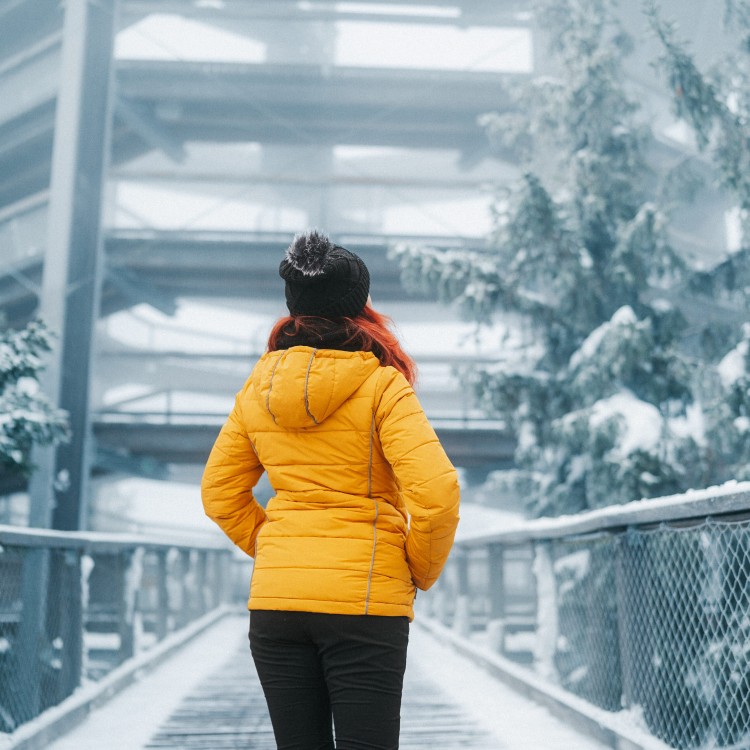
(81, 125)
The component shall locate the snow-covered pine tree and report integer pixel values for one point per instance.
(716, 104)
(26, 417)
(602, 402)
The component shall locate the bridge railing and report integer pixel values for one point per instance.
(643, 608)
(75, 605)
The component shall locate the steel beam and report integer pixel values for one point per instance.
(139, 359)
(159, 266)
(25, 154)
(309, 104)
(236, 264)
(72, 267)
(110, 460)
(139, 290)
(19, 285)
(172, 103)
(187, 177)
(193, 275)
(499, 13)
(169, 82)
(24, 22)
(468, 445)
(29, 79)
(141, 120)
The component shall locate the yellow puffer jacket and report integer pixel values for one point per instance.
(366, 503)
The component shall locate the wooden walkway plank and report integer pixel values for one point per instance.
(228, 712)
(207, 697)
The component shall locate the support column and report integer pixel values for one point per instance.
(73, 258)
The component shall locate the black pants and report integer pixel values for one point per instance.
(315, 668)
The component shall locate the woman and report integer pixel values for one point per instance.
(365, 510)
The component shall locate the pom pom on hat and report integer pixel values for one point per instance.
(309, 252)
(323, 279)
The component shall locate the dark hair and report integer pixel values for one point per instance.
(369, 331)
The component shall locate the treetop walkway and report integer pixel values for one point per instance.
(628, 624)
(207, 697)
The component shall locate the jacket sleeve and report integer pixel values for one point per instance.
(232, 470)
(428, 481)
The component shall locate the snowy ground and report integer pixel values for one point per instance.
(129, 720)
(518, 723)
(133, 717)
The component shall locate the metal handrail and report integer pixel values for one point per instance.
(74, 605)
(641, 607)
(731, 499)
(96, 541)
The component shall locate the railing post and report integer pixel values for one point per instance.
(87, 567)
(547, 621)
(129, 572)
(622, 586)
(462, 612)
(162, 596)
(186, 608)
(224, 578)
(429, 600)
(34, 587)
(201, 590)
(496, 575)
(496, 578)
(440, 597)
(449, 591)
(70, 609)
(213, 575)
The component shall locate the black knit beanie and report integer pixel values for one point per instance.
(323, 279)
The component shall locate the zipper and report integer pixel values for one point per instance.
(307, 381)
(375, 521)
(270, 387)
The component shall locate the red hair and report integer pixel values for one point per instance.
(368, 332)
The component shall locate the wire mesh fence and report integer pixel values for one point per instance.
(75, 606)
(652, 618)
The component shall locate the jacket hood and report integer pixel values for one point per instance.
(302, 386)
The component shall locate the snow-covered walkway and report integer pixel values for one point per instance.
(448, 703)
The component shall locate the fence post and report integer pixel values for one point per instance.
(186, 605)
(545, 646)
(32, 631)
(162, 595)
(225, 578)
(496, 578)
(462, 612)
(440, 596)
(201, 590)
(213, 578)
(70, 610)
(624, 619)
(128, 587)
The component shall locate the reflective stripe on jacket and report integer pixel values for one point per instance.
(366, 501)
